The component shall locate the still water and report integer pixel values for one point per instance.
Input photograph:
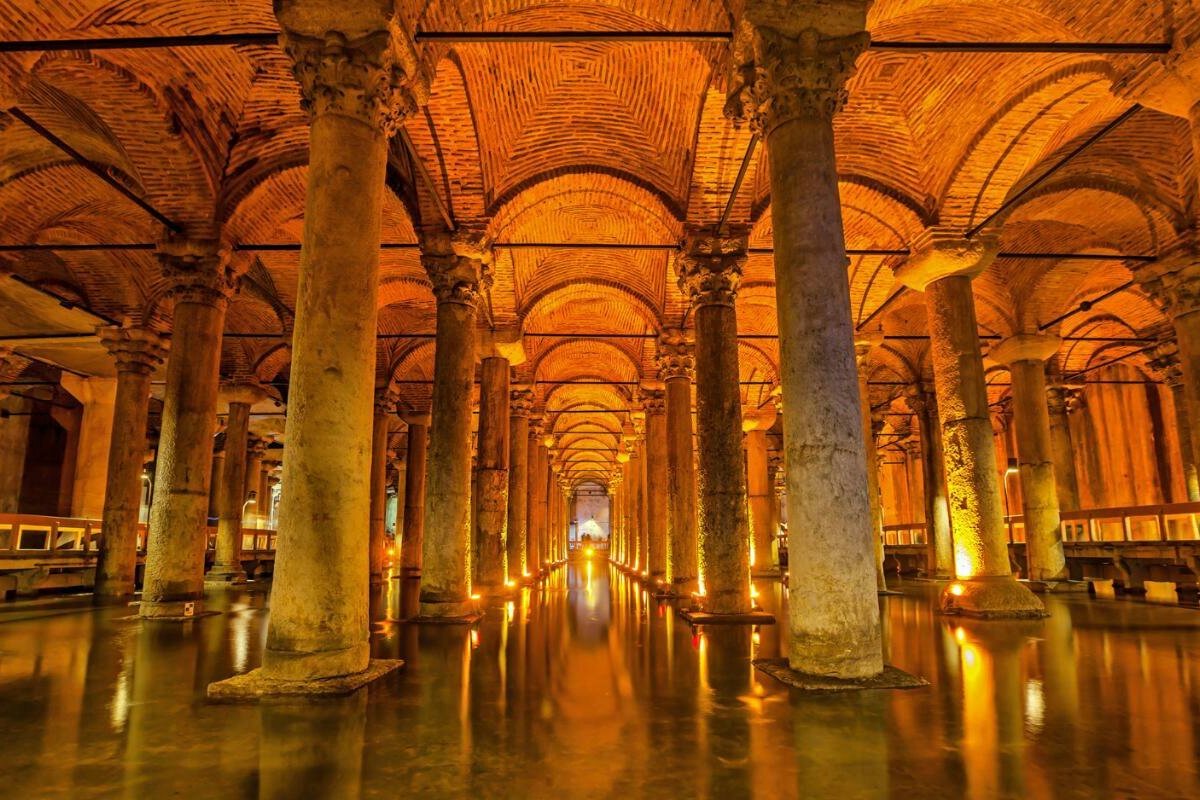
(586, 687)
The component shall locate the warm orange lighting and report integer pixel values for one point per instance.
(753, 592)
(476, 596)
(589, 552)
(960, 635)
(510, 583)
(956, 589)
(474, 638)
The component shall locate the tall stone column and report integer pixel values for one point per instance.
(637, 496)
(615, 534)
(710, 268)
(356, 87)
(656, 499)
(1025, 355)
(941, 266)
(491, 477)
(520, 405)
(542, 484)
(214, 483)
(201, 283)
(1166, 365)
(137, 352)
(760, 489)
(1059, 402)
(795, 59)
(98, 397)
(923, 402)
(239, 463)
(533, 528)
(14, 430)
(385, 409)
(627, 542)
(676, 367)
(863, 345)
(412, 543)
(459, 268)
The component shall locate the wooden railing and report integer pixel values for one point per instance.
(32, 534)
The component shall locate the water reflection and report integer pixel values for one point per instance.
(587, 686)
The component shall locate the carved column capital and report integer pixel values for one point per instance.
(376, 79)
(1164, 362)
(1173, 282)
(385, 403)
(780, 75)
(197, 271)
(135, 350)
(675, 356)
(459, 266)
(710, 266)
(520, 403)
(655, 402)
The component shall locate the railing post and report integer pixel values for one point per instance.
(1161, 516)
(1126, 528)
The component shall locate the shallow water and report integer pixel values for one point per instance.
(585, 687)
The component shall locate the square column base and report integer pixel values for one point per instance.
(463, 613)
(254, 685)
(697, 616)
(172, 611)
(999, 597)
(890, 678)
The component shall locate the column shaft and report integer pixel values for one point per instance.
(412, 545)
(227, 564)
(681, 488)
(657, 499)
(491, 476)
(1183, 427)
(1063, 451)
(871, 465)
(761, 491)
(379, 447)
(518, 479)
(1043, 538)
(533, 533)
(937, 506)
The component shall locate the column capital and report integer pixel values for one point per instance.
(675, 356)
(385, 402)
(1062, 398)
(376, 78)
(654, 401)
(459, 265)
(864, 343)
(506, 343)
(197, 271)
(1025, 347)
(520, 402)
(785, 68)
(710, 265)
(416, 418)
(256, 447)
(1164, 361)
(1173, 282)
(941, 253)
(135, 350)
(242, 390)
(1170, 83)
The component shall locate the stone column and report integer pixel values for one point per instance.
(201, 283)
(675, 369)
(533, 528)
(923, 403)
(541, 477)
(1060, 400)
(1025, 355)
(941, 266)
(14, 430)
(760, 490)
(710, 268)
(615, 535)
(491, 477)
(98, 396)
(385, 409)
(1166, 365)
(863, 344)
(137, 352)
(637, 498)
(214, 483)
(459, 269)
(356, 91)
(412, 543)
(622, 481)
(227, 563)
(520, 405)
(656, 499)
(255, 450)
(793, 78)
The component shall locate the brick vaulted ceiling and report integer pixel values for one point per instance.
(599, 142)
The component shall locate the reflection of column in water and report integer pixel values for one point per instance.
(484, 686)
(728, 680)
(840, 745)
(443, 729)
(312, 748)
(105, 699)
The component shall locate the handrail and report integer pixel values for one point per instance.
(37, 533)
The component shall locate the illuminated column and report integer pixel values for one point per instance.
(201, 283)
(412, 543)
(942, 265)
(533, 537)
(760, 489)
(1026, 356)
(491, 477)
(98, 397)
(623, 507)
(214, 482)
(459, 269)
(1060, 401)
(1166, 365)
(137, 352)
(637, 496)
(615, 534)
(385, 409)
(355, 91)
(676, 368)
(793, 77)
(710, 268)
(520, 405)
(923, 402)
(656, 499)
(227, 564)
(14, 430)
(863, 344)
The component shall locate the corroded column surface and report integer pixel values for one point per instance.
(458, 269)
(1059, 401)
(520, 404)
(657, 496)
(491, 476)
(710, 269)
(1025, 356)
(760, 490)
(862, 350)
(923, 403)
(385, 408)
(202, 284)
(676, 368)
(535, 486)
(227, 563)
(942, 266)
(1167, 367)
(412, 543)
(797, 75)
(137, 352)
(355, 93)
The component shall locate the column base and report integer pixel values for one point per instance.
(766, 572)
(224, 575)
(447, 613)
(173, 610)
(698, 616)
(991, 598)
(255, 685)
(890, 678)
(1057, 587)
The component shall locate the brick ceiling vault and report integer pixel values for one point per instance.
(600, 142)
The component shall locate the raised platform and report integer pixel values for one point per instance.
(890, 678)
(254, 686)
(700, 617)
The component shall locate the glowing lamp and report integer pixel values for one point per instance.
(956, 589)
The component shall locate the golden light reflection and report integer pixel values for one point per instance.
(956, 589)
(510, 610)
(964, 564)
